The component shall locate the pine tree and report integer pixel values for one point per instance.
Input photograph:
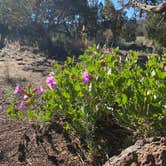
(156, 28)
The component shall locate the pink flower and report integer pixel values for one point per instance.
(25, 96)
(51, 82)
(23, 104)
(95, 52)
(18, 90)
(40, 89)
(85, 77)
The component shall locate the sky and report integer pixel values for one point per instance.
(129, 11)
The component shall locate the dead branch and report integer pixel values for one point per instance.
(150, 8)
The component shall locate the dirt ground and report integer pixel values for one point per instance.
(20, 142)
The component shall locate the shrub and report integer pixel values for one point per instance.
(101, 83)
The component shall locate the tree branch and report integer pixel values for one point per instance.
(150, 8)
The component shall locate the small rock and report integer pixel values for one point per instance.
(147, 152)
(21, 63)
(38, 70)
(26, 68)
(19, 59)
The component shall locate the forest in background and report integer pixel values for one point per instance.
(68, 27)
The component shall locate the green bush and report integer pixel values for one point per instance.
(115, 86)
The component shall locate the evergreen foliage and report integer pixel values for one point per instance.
(156, 28)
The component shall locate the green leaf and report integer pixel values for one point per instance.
(116, 50)
(124, 99)
(77, 87)
(162, 75)
(67, 127)
(11, 111)
(69, 60)
(48, 115)
(31, 114)
(121, 99)
(66, 95)
(20, 115)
